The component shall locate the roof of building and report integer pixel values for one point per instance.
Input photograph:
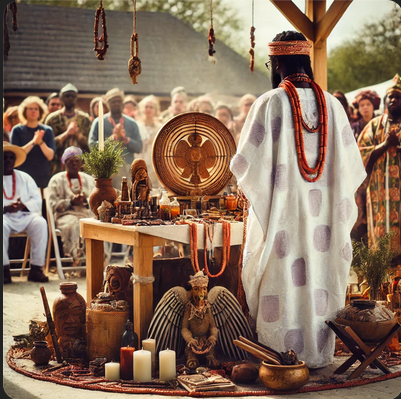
(54, 46)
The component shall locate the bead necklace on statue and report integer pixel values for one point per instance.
(299, 122)
(14, 189)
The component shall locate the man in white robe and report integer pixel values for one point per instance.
(298, 248)
(22, 204)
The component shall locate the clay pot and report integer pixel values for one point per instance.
(284, 378)
(370, 320)
(40, 354)
(103, 190)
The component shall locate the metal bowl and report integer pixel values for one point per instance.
(284, 378)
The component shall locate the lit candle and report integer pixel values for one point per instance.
(142, 366)
(167, 365)
(112, 371)
(127, 362)
(150, 345)
(101, 128)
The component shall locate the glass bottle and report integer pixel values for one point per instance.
(175, 208)
(129, 337)
(165, 206)
(124, 189)
(129, 344)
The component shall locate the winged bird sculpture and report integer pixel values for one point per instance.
(195, 159)
(201, 319)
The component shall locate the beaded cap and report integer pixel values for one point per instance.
(291, 47)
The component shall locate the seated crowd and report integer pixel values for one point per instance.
(42, 142)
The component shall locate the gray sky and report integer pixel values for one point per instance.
(269, 21)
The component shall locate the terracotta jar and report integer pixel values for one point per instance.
(103, 190)
(40, 354)
(231, 202)
(69, 314)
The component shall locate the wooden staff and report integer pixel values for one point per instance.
(50, 323)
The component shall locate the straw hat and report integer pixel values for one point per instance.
(114, 93)
(20, 154)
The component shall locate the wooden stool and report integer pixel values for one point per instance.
(361, 351)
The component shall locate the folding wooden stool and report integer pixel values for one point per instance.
(360, 350)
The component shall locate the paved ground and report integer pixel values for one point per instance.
(22, 301)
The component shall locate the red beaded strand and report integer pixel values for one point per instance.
(14, 189)
(292, 93)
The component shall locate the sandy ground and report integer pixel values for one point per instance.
(22, 301)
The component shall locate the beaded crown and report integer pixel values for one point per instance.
(291, 47)
(199, 279)
(395, 84)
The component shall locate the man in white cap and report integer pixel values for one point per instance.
(121, 127)
(22, 204)
(70, 125)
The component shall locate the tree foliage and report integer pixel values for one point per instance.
(373, 56)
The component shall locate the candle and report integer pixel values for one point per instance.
(150, 345)
(101, 128)
(167, 365)
(127, 363)
(142, 366)
(112, 371)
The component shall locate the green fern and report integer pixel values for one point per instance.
(103, 164)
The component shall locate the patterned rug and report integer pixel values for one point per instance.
(78, 377)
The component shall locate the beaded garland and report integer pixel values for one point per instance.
(291, 91)
(193, 234)
(79, 180)
(14, 189)
(100, 50)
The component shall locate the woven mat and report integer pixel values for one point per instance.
(320, 379)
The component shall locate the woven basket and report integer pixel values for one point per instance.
(104, 330)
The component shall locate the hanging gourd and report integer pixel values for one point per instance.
(134, 63)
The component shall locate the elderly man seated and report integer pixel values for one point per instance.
(22, 204)
(68, 200)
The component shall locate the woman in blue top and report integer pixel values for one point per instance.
(36, 139)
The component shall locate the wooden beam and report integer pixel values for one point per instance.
(296, 17)
(330, 19)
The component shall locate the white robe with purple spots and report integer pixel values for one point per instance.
(298, 251)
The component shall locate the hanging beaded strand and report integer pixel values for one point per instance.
(13, 8)
(299, 123)
(251, 50)
(100, 50)
(6, 38)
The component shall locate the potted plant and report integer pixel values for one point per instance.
(373, 262)
(102, 164)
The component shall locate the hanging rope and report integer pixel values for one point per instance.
(6, 39)
(13, 8)
(211, 36)
(134, 64)
(251, 50)
(101, 50)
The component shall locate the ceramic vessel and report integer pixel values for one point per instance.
(103, 190)
(370, 320)
(284, 378)
(40, 354)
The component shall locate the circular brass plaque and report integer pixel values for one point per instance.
(192, 153)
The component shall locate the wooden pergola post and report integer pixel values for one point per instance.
(316, 24)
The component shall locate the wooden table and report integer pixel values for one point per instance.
(143, 239)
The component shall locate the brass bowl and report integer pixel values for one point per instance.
(284, 378)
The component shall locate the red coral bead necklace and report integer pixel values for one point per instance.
(14, 189)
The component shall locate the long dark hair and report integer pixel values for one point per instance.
(294, 62)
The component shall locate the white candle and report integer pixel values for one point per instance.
(142, 366)
(101, 128)
(167, 365)
(150, 345)
(112, 371)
